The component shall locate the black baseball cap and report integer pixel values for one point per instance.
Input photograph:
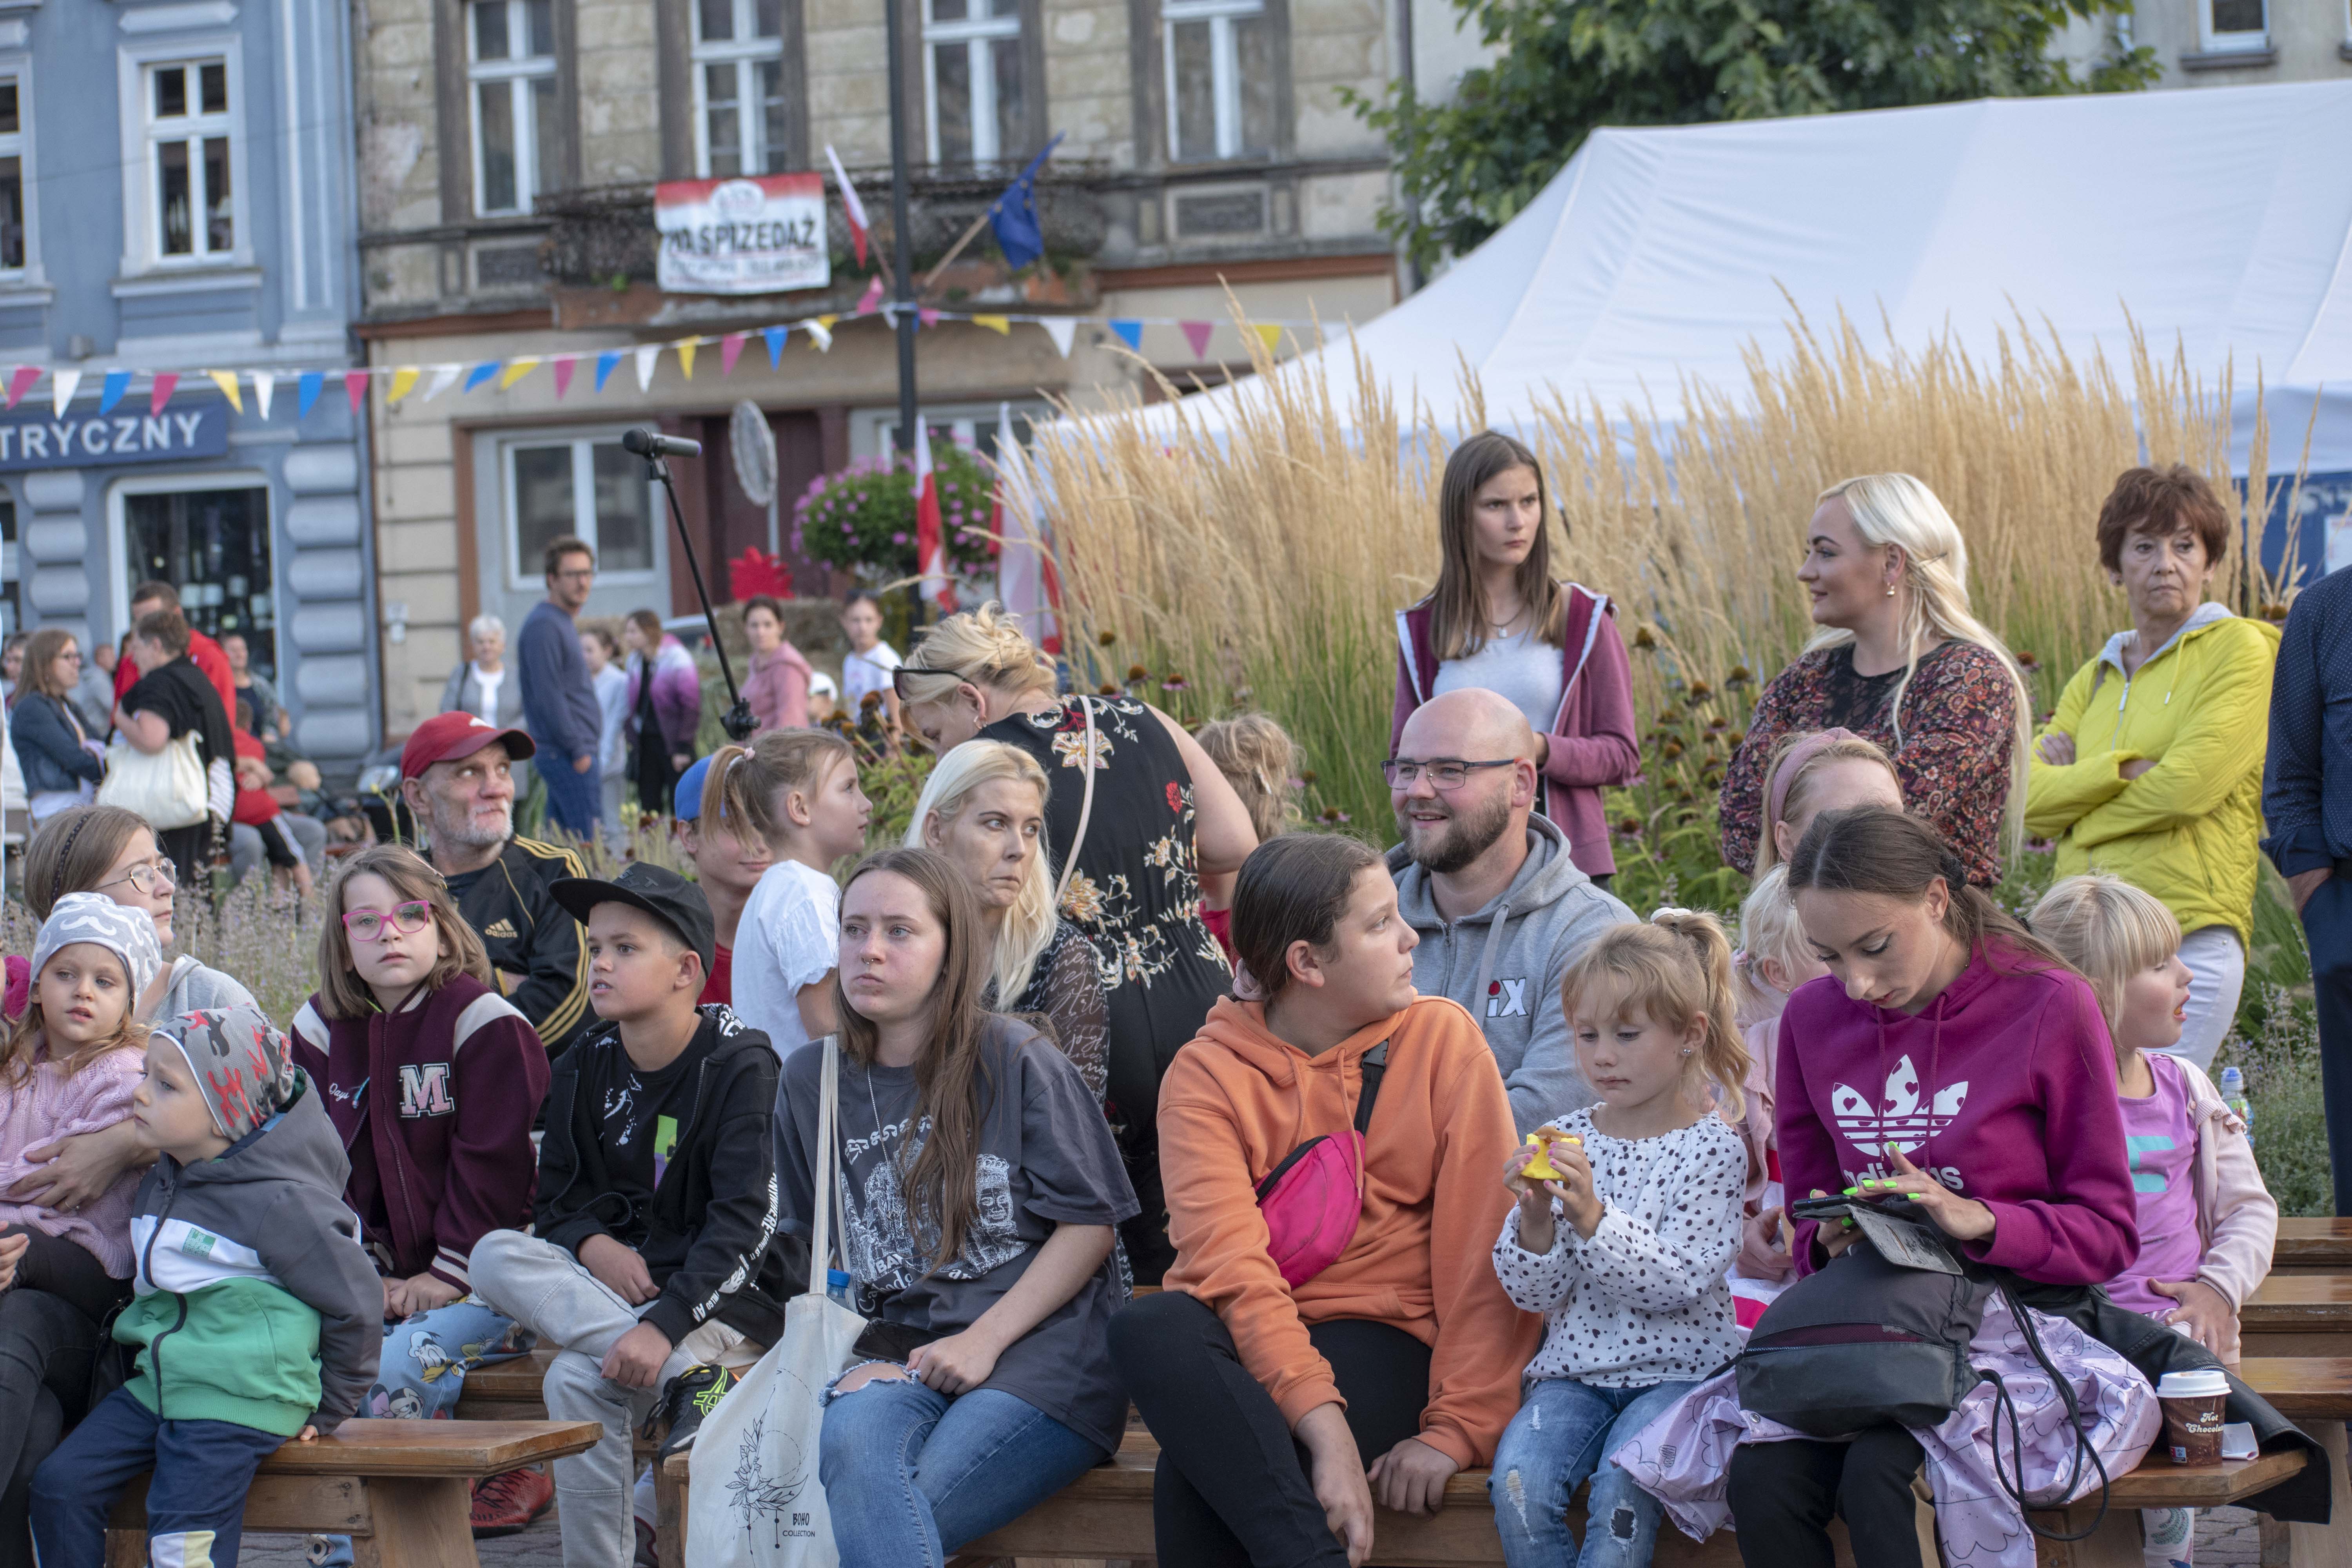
(659, 891)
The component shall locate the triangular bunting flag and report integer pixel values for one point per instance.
(607, 363)
(871, 301)
(404, 380)
(355, 382)
(731, 349)
(685, 347)
(820, 331)
(563, 365)
(926, 317)
(118, 381)
(1129, 333)
(445, 376)
(1197, 334)
(20, 381)
(1063, 329)
(227, 381)
(265, 384)
(157, 395)
(774, 338)
(63, 384)
(647, 354)
(1269, 333)
(516, 370)
(306, 392)
(1000, 325)
(476, 376)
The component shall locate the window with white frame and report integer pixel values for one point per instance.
(510, 72)
(582, 485)
(190, 158)
(740, 120)
(2234, 25)
(972, 78)
(1220, 66)
(12, 176)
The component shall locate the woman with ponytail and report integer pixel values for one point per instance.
(1900, 659)
(1649, 1182)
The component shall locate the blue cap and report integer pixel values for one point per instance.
(688, 802)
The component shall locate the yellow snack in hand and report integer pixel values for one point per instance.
(1540, 1168)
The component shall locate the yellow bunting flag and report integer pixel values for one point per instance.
(1001, 325)
(227, 381)
(685, 347)
(404, 381)
(826, 322)
(516, 370)
(1269, 333)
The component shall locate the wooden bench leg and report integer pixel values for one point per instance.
(669, 1525)
(420, 1522)
(2327, 1545)
(2117, 1544)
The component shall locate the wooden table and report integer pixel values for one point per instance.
(2313, 1247)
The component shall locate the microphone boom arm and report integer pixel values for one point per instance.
(737, 721)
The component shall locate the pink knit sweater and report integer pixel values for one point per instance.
(49, 1106)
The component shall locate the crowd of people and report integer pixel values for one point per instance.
(1349, 1173)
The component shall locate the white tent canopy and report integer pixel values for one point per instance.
(2222, 218)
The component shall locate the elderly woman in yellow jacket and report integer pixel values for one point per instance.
(2151, 768)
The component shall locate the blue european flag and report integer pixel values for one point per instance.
(1013, 215)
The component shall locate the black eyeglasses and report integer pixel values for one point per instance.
(899, 678)
(1444, 772)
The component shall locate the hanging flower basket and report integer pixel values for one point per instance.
(861, 519)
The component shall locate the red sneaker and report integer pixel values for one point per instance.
(505, 1504)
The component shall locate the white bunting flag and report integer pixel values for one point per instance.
(445, 376)
(1063, 329)
(62, 385)
(647, 354)
(264, 384)
(819, 333)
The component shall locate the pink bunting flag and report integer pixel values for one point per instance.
(1197, 334)
(563, 365)
(926, 316)
(730, 347)
(871, 300)
(20, 381)
(165, 381)
(355, 382)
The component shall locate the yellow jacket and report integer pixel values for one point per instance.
(2187, 829)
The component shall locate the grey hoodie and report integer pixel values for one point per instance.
(1504, 963)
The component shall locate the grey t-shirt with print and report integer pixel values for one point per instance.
(1045, 1158)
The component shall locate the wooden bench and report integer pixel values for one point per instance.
(401, 1489)
(2298, 1315)
(2313, 1247)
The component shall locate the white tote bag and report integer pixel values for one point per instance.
(166, 788)
(755, 1500)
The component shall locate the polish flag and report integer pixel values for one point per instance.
(931, 545)
(853, 209)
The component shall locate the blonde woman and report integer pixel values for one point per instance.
(983, 807)
(1257, 757)
(1900, 659)
(1161, 815)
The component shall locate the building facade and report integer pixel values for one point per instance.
(508, 155)
(2228, 43)
(176, 202)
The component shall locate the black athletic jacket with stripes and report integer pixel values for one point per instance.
(528, 934)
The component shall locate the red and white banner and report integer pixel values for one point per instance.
(851, 207)
(930, 544)
(756, 235)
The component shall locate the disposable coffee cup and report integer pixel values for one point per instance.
(2194, 1404)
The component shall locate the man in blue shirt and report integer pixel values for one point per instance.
(559, 696)
(2308, 801)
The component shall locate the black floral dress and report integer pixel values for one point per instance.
(1137, 896)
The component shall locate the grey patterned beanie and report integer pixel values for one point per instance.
(240, 1063)
(129, 934)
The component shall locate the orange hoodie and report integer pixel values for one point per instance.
(1237, 1101)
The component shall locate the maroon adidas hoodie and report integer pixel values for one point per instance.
(2004, 1088)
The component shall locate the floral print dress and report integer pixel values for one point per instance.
(1136, 896)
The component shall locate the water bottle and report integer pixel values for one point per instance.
(2234, 1095)
(836, 1285)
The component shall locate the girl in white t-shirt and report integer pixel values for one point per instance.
(867, 665)
(798, 790)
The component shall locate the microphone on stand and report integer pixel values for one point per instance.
(653, 444)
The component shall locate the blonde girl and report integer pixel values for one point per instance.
(1819, 771)
(1901, 659)
(798, 790)
(983, 807)
(1636, 1309)
(1774, 959)
(1258, 758)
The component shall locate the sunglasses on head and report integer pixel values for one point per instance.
(898, 679)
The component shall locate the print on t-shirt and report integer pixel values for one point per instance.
(884, 1252)
(1901, 1123)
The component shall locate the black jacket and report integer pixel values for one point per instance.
(709, 1240)
(528, 934)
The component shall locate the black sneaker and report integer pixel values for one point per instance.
(689, 1396)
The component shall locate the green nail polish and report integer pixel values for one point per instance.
(1852, 1192)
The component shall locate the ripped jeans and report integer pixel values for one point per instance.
(1564, 1432)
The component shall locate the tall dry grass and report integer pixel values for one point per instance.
(1265, 565)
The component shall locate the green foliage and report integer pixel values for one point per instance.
(862, 518)
(1567, 66)
(1663, 829)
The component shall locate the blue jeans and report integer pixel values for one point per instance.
(196, 1504)
(910, 1475)
(573, 799)
(1563, 1433)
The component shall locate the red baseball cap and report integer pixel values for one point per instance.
(446, 737)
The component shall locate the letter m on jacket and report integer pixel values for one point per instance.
(424, 1090)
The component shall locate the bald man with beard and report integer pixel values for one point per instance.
(1487, 883)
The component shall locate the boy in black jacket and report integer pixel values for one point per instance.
(656, 1255)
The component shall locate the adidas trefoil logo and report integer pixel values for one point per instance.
(501, 928)
(1902, 1123)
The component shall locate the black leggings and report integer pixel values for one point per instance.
(67, 1270)
(1231, 1489)
(48, 1331)
(1782, 1495)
